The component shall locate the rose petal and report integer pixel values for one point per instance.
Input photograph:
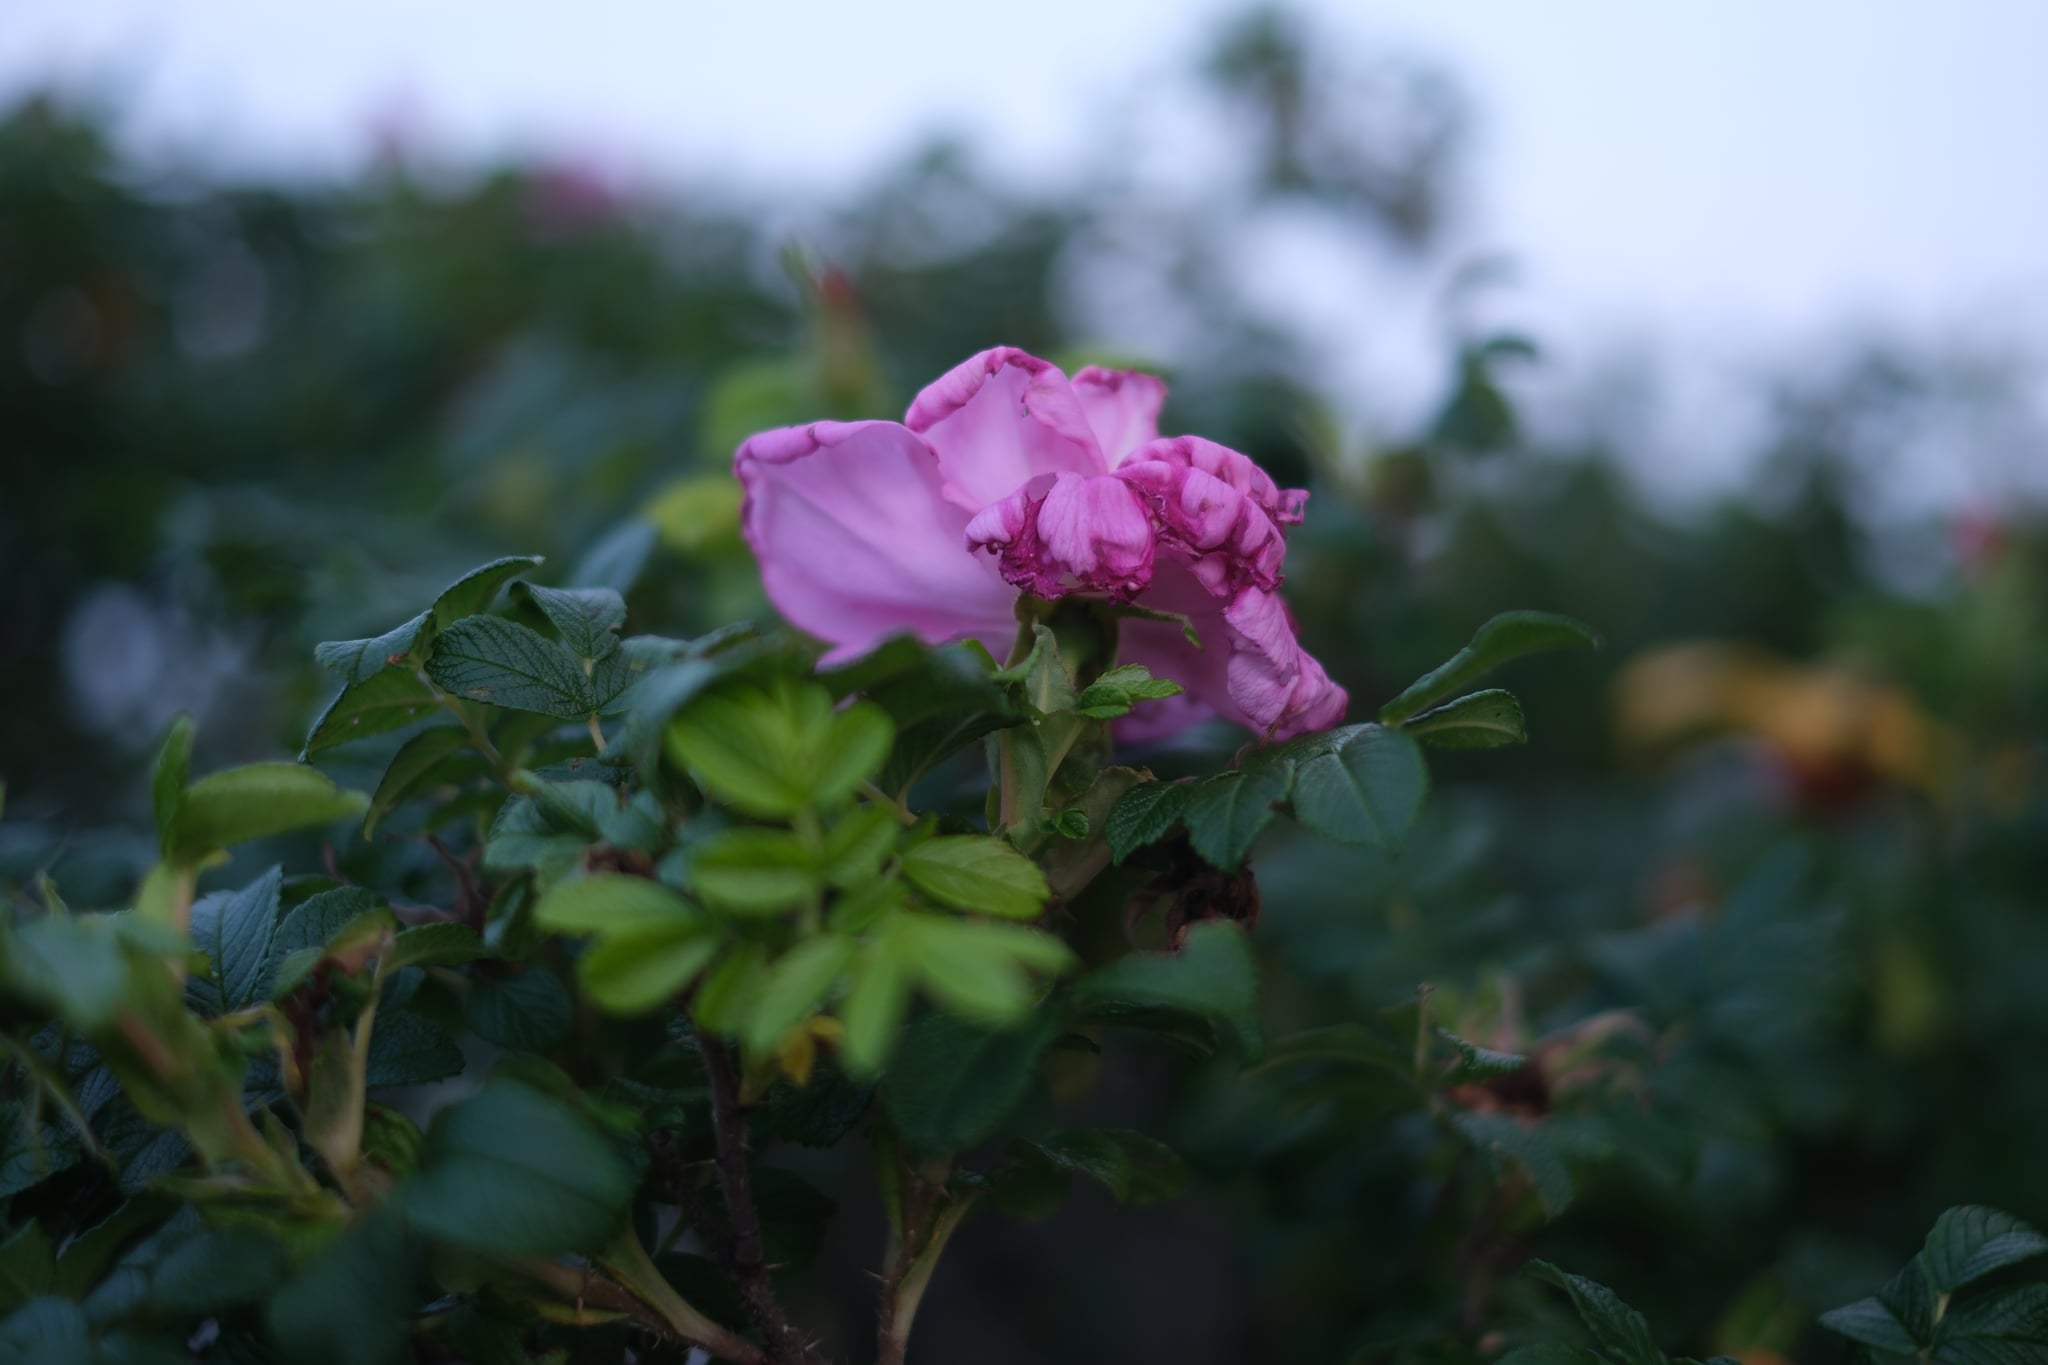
(1068, 534)
(1000, 419)
(857, 541)
(1283, 505)
(1224, 529)
(1122, 407)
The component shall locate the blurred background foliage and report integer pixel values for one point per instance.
(1762, 896)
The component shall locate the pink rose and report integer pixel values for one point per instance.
(1004, 475)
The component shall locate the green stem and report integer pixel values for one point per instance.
(902, 1311)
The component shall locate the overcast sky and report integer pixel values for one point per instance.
(1748, 169)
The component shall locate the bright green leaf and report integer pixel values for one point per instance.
(254, 802)
(977, 873)
(1507, 636)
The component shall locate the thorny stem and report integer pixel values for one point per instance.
(928, 1224)
(784, 1346)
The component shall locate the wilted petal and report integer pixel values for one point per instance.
(857, 540)
(1227, 532)
(1122, 407)
(1250, 668)
(1283, 505)
(1000, 419)
(1070, 534)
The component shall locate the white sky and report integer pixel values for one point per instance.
(1742, 174)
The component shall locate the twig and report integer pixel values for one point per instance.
(785, 1346)
(673, 1318)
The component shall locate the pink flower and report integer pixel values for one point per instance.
(1005, 475)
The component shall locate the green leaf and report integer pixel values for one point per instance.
(953, 1083)
(1145, 815)
(587, 619)
(74, 965)
(352, 1303)
(1135, 1169)
(851, 750)
(47, 1331)
(1478, 720)
(977, 969)
(1870, 1322)
(235, 929)
(755, 872)
(1212, 976)
(859, 844)
(412, 768)
(355, 661)
(253, 802)
(473, 592)
(978, 873)
(1366, 789)
(1618, 1328)
(1502, 1136)
(1225, 813)
(167, 780)
(874, 1006)
(408, 1048)
(214, 1271)
(746, 748)
(794, 986)
(613, 903)
(1477, 1063)
(1970, 1242)
(1507, 636)
(386, 700)
(445, 944)
(637, 970)
(513, 1172)
(528, 1012)
(497, 662)
(1996, 1329)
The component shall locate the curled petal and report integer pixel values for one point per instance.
(1068, 534)
(1283, 505)
(1250, 668)
(857, 540)
(1226, 533)
(1000, 419)
(1122, 407)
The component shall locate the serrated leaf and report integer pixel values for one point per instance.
(1618, 1328)
(1479, 720)
(514, 1172)
(234, 929)
(408, 1048)
(1970, 1242)
(1870, 1322)
(386, 700)
(528, 1012)
(1212, 976)
(497, 662)
(1225, 813)
(2008, 1328)
(445, 944)
(1144, 815)
(1367, 788)
(253, 802)
(1507, 636)
(587, 619)
(953, 1083)
(473, 592)
(1135, 1169)
(1477, 1063)
(978, 873)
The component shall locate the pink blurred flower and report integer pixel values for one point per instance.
(1006, 475)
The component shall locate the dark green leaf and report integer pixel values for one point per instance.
(216, 1270)
(167, 779)
(953, 1083)
(1478, 720)
(2008, 1328)
(356, 661)
(1970, 1242)
(1618, 1328)
(1145, 815)
(408, 1048)
(473, 592)
(1870, 1322)
(350, 1304)
(1507, 636)
(386, 700)
(235, 930)
(1212, 976)
(587, 619)
(1504, 1137)
(502, 663)
(527, 1012)
(1477, 1063)
(445, 944)
(1366, 789)
(513, 1172)
(1225, 813)
(412, 768)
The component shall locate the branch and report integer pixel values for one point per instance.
(669, 1317)
(750, 1274)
